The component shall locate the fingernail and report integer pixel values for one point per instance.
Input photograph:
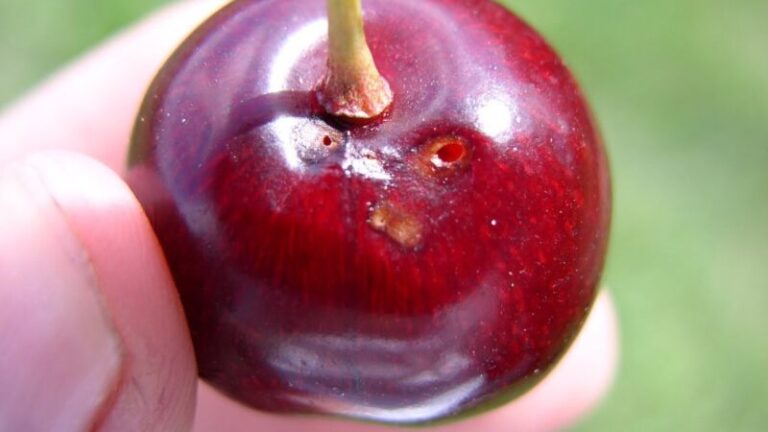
(60, 355)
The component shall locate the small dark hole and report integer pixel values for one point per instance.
(327, 141)
(451, 152)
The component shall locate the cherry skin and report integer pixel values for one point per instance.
(434, 262)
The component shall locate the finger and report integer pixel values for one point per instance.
(570, 391)
(92, 335)
(98, 96)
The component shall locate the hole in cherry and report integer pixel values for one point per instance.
(327, 141)
(451, 152)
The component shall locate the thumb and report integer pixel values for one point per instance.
(91, 332)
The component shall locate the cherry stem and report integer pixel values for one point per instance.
(353, 87)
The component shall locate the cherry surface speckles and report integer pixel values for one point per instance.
(430, 263)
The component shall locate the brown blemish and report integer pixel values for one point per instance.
(401, 226)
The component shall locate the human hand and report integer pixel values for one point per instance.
(92, 335)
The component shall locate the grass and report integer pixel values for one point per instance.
(681, 92)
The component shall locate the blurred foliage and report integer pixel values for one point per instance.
(680, 89)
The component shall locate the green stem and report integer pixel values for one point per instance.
(353, 87)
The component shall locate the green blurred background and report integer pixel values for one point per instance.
(680, 89)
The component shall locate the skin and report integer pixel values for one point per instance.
(87, 305)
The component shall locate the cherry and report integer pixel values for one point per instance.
(424, 254)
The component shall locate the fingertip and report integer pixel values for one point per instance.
(154, 385)
(60, 356)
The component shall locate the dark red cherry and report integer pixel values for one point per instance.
(434, 261)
